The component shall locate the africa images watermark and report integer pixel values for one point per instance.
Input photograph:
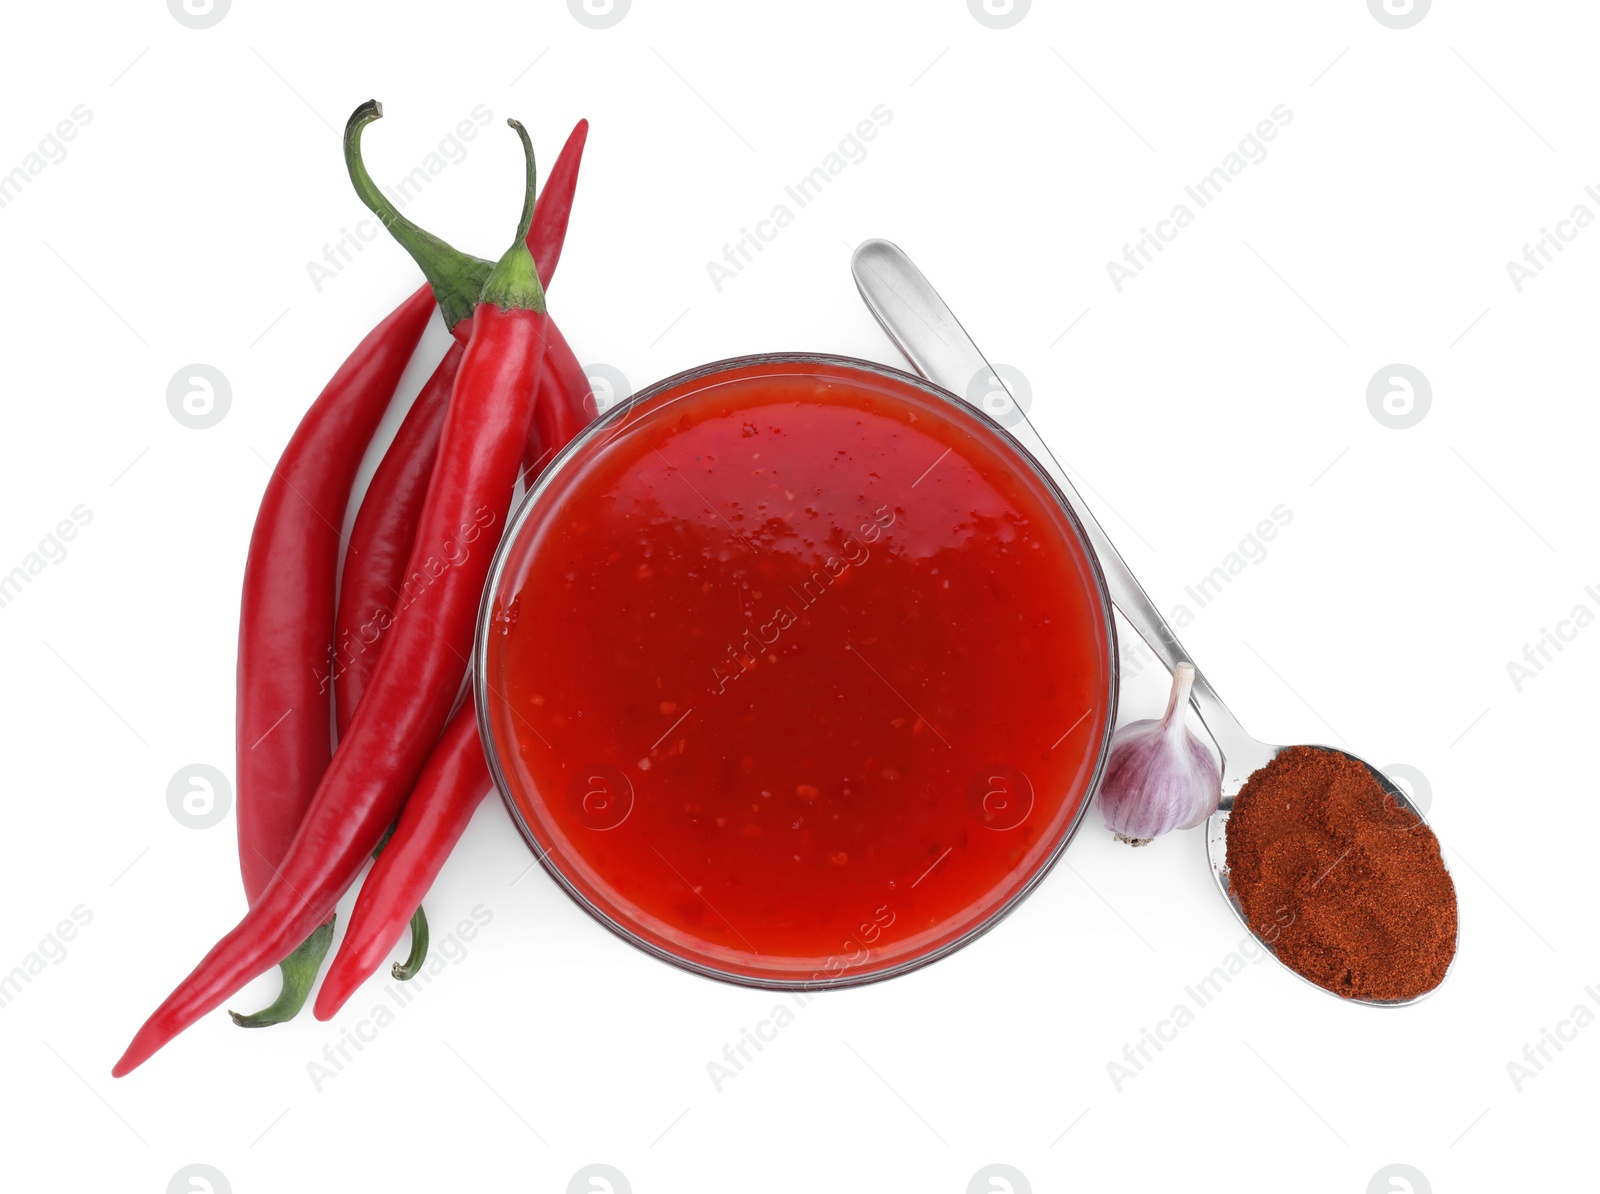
(1542, 652)
(51, 151)
(52, 549)
(1252, 549)
(1251, 150)
(851, 150)
(855, 950)
(743, 1051)
(443, 952)
(356, 641)
(51, 951)
(1552, 1043)
(451, 150)
(757, 641)
(1000, 799)
(1537, 256)
(1201, 994)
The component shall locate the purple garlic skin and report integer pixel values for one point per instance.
(1159, 777)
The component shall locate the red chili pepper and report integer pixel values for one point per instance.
(277, 784)
(413, 686)
(448, 792)
(566, 405)
(286, 617)
(553, 210)
(382, 537)
(385, 526)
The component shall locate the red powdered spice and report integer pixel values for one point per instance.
(1345, 885)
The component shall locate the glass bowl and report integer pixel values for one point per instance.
(654, 774)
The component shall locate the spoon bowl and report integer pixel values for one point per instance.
(927, 332)
(1235, 772)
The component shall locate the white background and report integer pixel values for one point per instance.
(1229, 377)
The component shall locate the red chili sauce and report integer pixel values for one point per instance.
(801, 675)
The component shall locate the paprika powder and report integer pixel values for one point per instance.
(1345, 884)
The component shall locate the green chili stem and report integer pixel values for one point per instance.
(299, 976)
(419, 948)
(514, 282)
(456, 277)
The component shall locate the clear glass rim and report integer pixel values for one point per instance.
(612, 423)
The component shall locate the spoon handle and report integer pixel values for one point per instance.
(924, 328)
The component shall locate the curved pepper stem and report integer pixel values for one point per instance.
(514, 283)
(530, 186)
(419, 948)
(457, 278)
(299, 976)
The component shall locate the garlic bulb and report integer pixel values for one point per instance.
(1159, 777)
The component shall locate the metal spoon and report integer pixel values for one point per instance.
(938, 347)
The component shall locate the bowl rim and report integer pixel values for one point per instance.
(612, 423)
